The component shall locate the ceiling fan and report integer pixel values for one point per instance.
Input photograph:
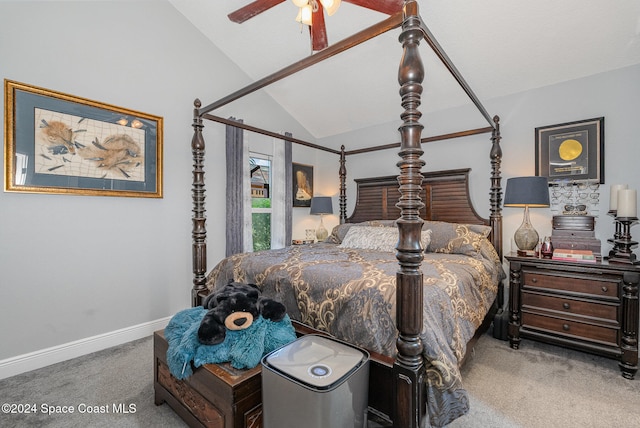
(317, 28)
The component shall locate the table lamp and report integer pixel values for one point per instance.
(321, 205)
(527, 192)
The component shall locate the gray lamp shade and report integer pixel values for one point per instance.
(526, 191)
(321, 205)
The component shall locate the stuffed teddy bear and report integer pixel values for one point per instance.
(236, 325)
(235, 307)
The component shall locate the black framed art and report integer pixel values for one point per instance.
(571, 151)
(302, 185)
(60, 143)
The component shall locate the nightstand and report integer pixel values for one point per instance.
(591, 307)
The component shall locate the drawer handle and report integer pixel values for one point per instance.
(565, 327)
(534, 280)
(605, 288)
(565, 305)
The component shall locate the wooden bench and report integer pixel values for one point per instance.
(215, 396)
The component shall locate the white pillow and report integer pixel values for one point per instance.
(378, 238)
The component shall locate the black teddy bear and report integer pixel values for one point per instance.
(234, 307)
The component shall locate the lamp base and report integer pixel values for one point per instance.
(526, 236)
(321, 232)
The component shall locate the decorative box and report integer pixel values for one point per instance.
(574, 223)
(575, 232)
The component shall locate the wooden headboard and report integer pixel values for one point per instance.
(445, 194)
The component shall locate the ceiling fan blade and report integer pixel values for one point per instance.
(385, 6)
(252, 9)
(318, 30)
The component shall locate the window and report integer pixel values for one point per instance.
(260, 167)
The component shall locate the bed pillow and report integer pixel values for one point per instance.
(340, 231)
(455, 238)
(377, 238)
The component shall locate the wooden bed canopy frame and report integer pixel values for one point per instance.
(408, 369)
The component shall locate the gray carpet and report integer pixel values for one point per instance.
(544, 386)
(122, 375)
(536, 386)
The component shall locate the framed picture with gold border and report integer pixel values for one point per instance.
(571, 151)
(64, 144)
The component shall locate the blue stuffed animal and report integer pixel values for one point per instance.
(236, 324)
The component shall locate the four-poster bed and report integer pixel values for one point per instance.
(414, 202)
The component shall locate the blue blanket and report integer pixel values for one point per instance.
(242, 348)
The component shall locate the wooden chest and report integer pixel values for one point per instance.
(215, 396)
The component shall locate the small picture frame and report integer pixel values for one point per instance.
(302, 185)
(571, 151)
(63, 144)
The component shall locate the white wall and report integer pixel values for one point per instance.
(76, 267)
(614, 95)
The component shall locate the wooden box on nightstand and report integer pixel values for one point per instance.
(575, 232)
(591, 307)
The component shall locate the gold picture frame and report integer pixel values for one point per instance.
(64, 144)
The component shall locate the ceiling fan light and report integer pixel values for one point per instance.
(331, 6)
(304, 15)
(300, 3)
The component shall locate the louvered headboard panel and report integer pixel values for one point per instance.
(445, 194)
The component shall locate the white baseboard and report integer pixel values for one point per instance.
(45, 357)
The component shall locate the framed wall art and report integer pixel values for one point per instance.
(302, 185)
(59, 143)
(571, 151)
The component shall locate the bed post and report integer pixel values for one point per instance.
(343, 186)
(496, 187)
(500, 320)
(199, 231)
(409, 370)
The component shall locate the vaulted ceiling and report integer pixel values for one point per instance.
(500, 46)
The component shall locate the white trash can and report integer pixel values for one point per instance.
(315, 382)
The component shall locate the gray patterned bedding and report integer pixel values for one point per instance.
(346, 287)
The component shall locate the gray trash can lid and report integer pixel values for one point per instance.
(316, 361)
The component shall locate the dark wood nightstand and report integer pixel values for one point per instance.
(591, 307)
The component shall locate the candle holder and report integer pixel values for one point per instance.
(621, 252)
(616, 236)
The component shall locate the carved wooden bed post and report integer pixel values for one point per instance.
(199, 231)
(343, 186)
(495, 200)
(496, 187)
(409, 367)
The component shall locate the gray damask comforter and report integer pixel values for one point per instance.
(350, 293)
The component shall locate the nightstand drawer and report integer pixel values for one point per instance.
(603, 311)
(599, 287)
(608, 336)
